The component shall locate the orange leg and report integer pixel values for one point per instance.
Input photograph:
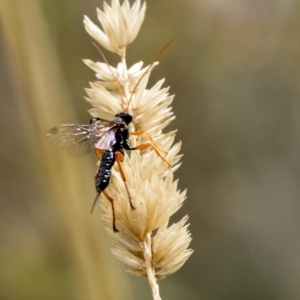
(113, 210)
(147, 145)
(140, 132)
(119, 158)
(111, 200)
(96, 174)
(99, 153)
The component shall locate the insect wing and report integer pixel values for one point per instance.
(79, 139)
(106, 141)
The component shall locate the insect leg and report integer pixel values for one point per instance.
(113, 210)
(140, 132)
(96, 174)
(119, 158)
(147, 145)
(112, 206)
(99, 153)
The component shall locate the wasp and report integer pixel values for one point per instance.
(108, 139)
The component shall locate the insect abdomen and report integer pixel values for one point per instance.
(104, 173)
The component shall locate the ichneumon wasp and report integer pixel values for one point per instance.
(108, 139)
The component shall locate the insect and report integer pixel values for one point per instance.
(108, 139)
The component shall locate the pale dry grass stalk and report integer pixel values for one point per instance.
(149, 177)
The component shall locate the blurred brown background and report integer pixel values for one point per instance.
(235, 71)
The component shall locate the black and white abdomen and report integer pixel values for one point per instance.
(104, 173)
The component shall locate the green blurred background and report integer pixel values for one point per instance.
(235, 70)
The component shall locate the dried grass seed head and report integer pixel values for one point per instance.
(150, 108)
(156, 198)
(153, 191)
(120, 24)
(108, 75)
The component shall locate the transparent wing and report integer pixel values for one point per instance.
(80, 139)
(107, 140)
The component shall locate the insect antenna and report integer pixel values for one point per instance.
(150, 66)
(116, 79)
